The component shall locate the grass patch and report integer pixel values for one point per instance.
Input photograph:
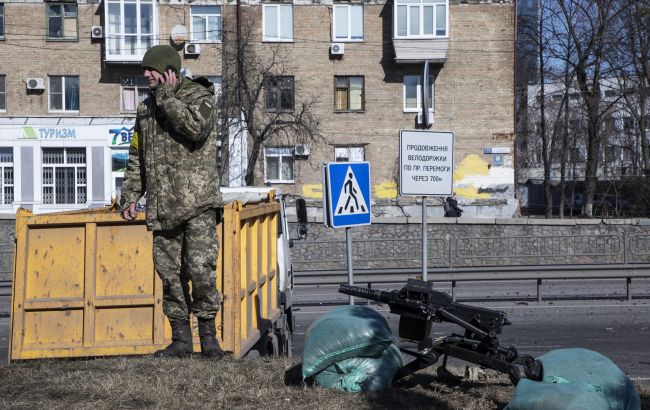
(271, 383)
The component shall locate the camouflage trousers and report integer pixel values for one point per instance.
(189, 253)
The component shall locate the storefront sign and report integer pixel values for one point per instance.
(120, 136)
(32, 133)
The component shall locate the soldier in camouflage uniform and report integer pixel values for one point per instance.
(173, 159)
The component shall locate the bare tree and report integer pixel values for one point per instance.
(260, 98)
(590, 25)
(535, 41)
(634, 75)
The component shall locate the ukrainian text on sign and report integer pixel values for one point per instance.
(426, 162)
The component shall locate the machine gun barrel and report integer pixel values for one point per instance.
(365, 293)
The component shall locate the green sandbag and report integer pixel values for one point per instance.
(362, 373)
(576, 379)
(343, 333)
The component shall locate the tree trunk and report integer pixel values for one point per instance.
(591, 167)
(252, 160)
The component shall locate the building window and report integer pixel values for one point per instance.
(278, 164)
(64, 93)
(421, 18)
(119, 162)
(413, 93)
(3, 93)
(62, 21)
(628, 124)
(279, 93)
(131, 29)
(64, 176)
(6, 176)
(134, 91)
(205, 24)
(349, 154)
(278, 22)
(2, 21)
(348, 94)
(348, 22)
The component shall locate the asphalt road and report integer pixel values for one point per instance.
(589, 314)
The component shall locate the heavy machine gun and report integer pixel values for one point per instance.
(419, 306)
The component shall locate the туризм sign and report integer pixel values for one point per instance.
(426, 163)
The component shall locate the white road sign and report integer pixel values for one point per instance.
(426, 163)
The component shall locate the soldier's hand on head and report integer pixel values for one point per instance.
(170, 78)
(129, 213)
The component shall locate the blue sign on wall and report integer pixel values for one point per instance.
(347, 194)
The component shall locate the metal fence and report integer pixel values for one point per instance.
(502, 258)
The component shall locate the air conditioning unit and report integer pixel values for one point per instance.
(192, 49)
(301, 150)
(96, 32)
(337, 49)
(421, 119)
(35, 84)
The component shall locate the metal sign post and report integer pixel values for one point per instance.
(426, 161)
(348, 241)
(424, 239)
(346, 201)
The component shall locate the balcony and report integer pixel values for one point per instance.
(131, 29)
(420, 31)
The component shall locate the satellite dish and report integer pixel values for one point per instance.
(180, 34)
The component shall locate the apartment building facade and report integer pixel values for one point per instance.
(70, 81)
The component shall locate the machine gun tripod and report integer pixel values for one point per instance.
(419, 306)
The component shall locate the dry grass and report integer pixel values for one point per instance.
(272, 383)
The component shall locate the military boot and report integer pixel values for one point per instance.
(209, 345)
(181, 344)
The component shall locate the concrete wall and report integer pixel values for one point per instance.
(468, 242)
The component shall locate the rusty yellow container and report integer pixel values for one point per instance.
(84, 284)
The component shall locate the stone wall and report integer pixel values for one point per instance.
(476, 243)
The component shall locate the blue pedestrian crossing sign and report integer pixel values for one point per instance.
(346, 199)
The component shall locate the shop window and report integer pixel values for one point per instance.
(6, 176)
(119, 162)
(64, 176)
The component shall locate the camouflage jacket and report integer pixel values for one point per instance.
(173, 155)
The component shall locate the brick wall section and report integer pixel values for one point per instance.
(25, 53)
(478, 242)
(7, 230)
(474, 89)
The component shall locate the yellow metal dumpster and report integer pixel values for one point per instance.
(84, 283)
